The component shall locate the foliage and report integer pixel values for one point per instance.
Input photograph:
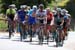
(6, 3)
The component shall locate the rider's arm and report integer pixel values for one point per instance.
(26, 17)
(37, 15)
(62, 21)
(16, 16)
(52, 21)
(45, 19)
(69, 21)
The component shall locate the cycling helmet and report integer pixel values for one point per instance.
(23, 6)
(64, 11)
(59, 9)
(41, 6)
(34, 7)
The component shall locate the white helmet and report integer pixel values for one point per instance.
(59, 9)
(64, 11)
(23, 6)
(12, 5)
(34, 7)
(54, 11)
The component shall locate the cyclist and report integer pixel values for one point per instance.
(50, 21)
(69, 22)
(66, 21)
(59, 24)
(32, 21)
(10, 17)
(22, 19)
(41, 16)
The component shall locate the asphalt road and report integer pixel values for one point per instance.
(15, 44)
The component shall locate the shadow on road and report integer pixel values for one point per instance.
(4, 37)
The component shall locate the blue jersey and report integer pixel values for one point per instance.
(31, 19)
(66, 18)
(21, 15)
(30, 12)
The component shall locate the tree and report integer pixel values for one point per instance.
(6, 3)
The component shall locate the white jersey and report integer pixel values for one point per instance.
(41, 14)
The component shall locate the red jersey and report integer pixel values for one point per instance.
(49, 16)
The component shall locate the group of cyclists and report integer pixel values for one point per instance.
(37, 21)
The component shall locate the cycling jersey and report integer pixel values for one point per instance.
(30, 12)
(49, 17)
(41, 15)
(21, 15)
(58, 19)
(10, 13)
(66, 18)
(31, 18)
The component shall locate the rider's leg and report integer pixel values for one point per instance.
(10, 28)
(9, 31)
(33, 32)
(30, 32)
(48, 37)
(24, 32)
(21, 32)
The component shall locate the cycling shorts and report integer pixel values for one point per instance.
(41, 21)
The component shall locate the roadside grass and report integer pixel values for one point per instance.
(58, 3)
(3, 24)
